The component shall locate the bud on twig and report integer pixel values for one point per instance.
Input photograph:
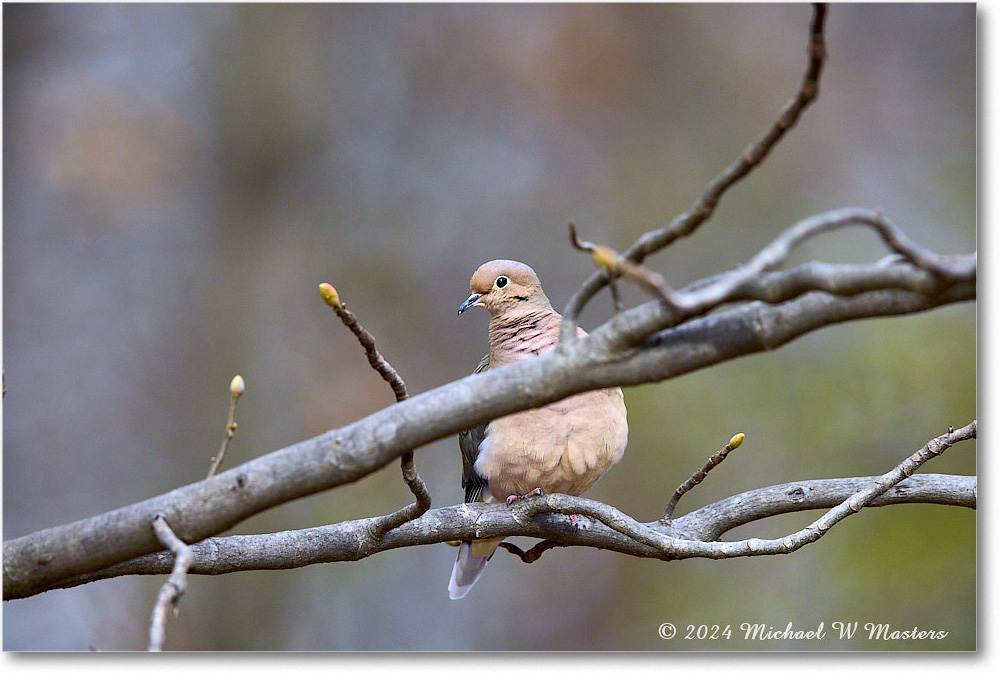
(329, 294)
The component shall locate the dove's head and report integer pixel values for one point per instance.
(503, 286)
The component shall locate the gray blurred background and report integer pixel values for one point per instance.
(178, 179)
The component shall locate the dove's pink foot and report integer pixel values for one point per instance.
(513, 498)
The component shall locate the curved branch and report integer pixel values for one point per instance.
(712, 521)
(727, 288)
(350, 541)
(926, 272)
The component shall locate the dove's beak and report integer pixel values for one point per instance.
(471, 302)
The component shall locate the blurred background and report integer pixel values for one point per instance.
(178, 179)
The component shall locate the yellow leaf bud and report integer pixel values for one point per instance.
(329, 294)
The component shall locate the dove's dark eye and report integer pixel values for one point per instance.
(501, 282)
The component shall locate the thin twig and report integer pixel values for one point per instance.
(752, 156)
(389, 374)
(366, 339)
(687, 222)
(699, 475)
(614, 265)
(175, 585)
(236, 388)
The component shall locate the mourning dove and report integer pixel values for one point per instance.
(561, 447)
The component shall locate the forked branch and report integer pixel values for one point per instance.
(687, 222)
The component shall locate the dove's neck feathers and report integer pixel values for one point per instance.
(523, 332)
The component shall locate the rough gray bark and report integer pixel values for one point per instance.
(351, 540)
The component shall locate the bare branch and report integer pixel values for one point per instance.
(351, 540)
(389, 374)
(752, 156)
(173, 588)
(926, 273)
(615, 265)
(774, 254)
(712, 521)
(687, 222)
(366, 339)
(236, 388)
(860, 499)
(713, 461)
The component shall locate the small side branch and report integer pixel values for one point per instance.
(409, 512)
(236, 388)
(366, 339)
(614, 265)
(389, 374)
(713, 461)
(175, 585)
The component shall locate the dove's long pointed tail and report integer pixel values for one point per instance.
(468, 567)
